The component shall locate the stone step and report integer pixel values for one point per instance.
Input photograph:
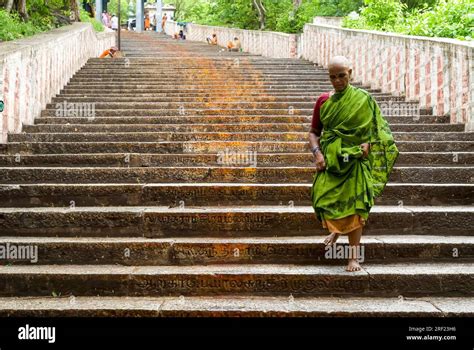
(237, 89)
(229, 67)
(216, 136)
(215, 194)
(181, 110)
(186, 111)
(216, 119)
(227, 127)
(171, 75)
(195, 81)
(236, 221)
(212, 147)
(70, 94)
(389, 280)
(193, 62)
(206, 251)
(209, 98)
(236, 306)
(261, 159)
(197, 104)
(219, 174)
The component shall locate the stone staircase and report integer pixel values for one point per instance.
(140, 209)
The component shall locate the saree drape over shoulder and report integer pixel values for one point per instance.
(344, 193)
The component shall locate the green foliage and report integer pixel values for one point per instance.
(447, 18)
(383, 14)
(112, 8)
(338, 8)
(419, 4)
(85, 17)
(13, 27)
(43, 16)
(280, 14)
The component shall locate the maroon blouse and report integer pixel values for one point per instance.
(316, 121)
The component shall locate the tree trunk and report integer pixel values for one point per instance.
(75, 10)
(261, 13)
(9, 5)
(297, 4)
(22, 10)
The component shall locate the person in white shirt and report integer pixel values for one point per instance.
(115, 23)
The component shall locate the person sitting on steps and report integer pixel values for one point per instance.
(113, 52)
(235, 45)
(213, 40)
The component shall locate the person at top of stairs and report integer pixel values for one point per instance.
(234, 45)
(354, 157)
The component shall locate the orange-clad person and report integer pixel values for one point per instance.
(110, 53)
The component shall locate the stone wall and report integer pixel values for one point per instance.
(268, 44)
(332, 21)
(34, 69)
(437, 72)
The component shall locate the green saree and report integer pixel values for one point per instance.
(350, 183)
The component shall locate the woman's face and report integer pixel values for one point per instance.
(340, 77)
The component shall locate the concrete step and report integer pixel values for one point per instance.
(219, 174)
(236, 306)
(261, 159)
(236, 221)
(391, 280)
(215, 194)
(212, 147)
(215, 136)
(228, 127)
(223, 251)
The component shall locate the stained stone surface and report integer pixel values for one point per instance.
(176, 182)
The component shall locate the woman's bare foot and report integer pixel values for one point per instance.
(353, 265)
(331, 239)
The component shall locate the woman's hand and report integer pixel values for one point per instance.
(319, 161)
(365, 150)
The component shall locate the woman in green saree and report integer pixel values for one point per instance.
(354, 154)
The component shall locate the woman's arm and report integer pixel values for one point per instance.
(315, 134)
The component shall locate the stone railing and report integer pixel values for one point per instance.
(34, 69)
(437, 72)
(268, 44)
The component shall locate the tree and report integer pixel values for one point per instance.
(75, 10)
(261, 12)
(9, 5)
